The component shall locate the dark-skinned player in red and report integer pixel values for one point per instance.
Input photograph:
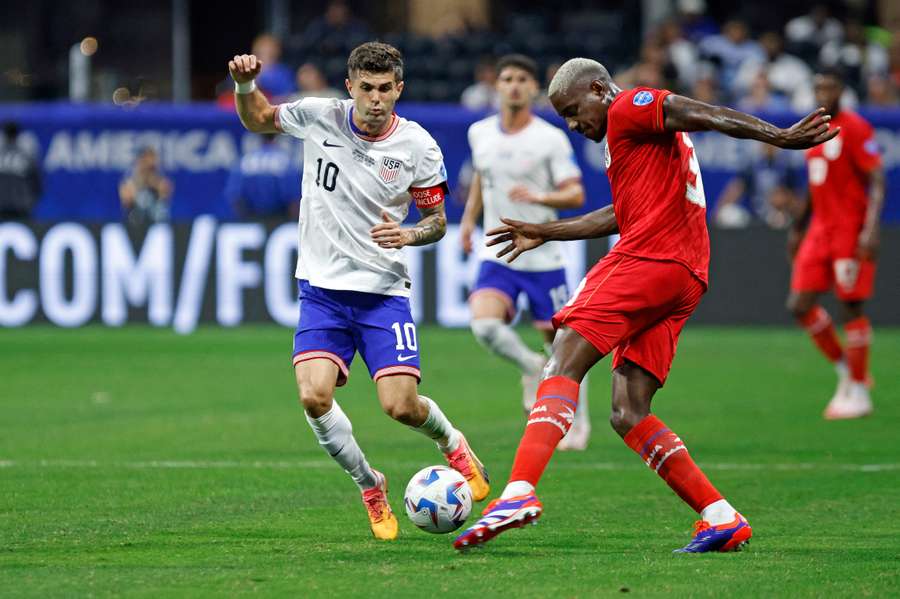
(635, 301)
(839, 234)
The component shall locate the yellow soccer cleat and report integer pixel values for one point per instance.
(464, 461)
(381, 517)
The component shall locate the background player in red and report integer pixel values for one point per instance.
(636, 300)
(839, 246)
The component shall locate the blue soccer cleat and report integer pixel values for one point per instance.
(722, 537)
(501, 515)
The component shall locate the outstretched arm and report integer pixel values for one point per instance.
(521, 237)
(685, 114)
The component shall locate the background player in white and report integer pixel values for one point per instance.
(362, 166)
(525, 170)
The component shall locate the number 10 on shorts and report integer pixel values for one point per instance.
(405, 332)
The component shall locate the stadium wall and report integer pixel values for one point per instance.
(210, 272)
(86, 149)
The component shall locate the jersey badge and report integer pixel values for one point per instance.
(390, 168)
(871, 146)
(642, 98)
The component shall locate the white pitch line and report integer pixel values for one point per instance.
(316, 464)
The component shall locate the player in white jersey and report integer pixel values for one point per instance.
(525, 170)
(363, 165)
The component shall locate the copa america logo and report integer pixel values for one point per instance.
(642, 98)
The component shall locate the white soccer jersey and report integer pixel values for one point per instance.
(539, 157)
(348, 180)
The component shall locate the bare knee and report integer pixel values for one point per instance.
(316, 399)
(632, 393)
(798, 304)
(406, 410)
(625, 416)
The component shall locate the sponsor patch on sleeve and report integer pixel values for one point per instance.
(427, 197)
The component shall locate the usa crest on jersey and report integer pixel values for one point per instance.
(390, 168)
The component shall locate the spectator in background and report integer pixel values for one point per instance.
(786, 74)
(20, 178)
(335, 27)
(652, 70)
(761, 98)
(765, 190)
(695, 23)
(145, 191)
(681, 53)
(265, 183)
(483, 93)
(881, 92)
(543, 100)
(275, 80)
(855, 56)
(311, 83)
(729, 50)
(808, 33)
(706, 86)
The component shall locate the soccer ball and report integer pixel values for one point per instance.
(438, 499)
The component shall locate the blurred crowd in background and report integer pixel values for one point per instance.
(758, 58)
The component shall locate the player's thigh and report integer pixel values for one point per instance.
(547, 293)
(620, 297)
(653, 348)
(387, 338)
(811, 272)
(495, 291)
(573, 355)
(316, 381)
(323, 332)
(854, 279)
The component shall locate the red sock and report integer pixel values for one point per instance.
(549, 421)
(818, 324)
(859, 336)
(664, 452)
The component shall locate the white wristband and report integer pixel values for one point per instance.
(245, 88)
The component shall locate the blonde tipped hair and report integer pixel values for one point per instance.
(573, 71)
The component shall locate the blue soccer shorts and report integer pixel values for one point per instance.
(546, 291)
(335, 324)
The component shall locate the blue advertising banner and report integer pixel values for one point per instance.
(86, 149)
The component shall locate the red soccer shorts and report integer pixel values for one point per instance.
(828, 259)
(636, 307)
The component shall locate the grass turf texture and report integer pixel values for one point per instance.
(139, 463)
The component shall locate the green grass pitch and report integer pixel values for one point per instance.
(138, 463)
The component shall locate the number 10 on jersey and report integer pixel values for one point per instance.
(405, 332)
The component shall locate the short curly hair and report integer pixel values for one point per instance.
(375, 57)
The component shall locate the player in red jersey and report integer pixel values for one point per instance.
(636, 300)
(839, 246)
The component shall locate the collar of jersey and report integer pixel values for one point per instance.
(361, 134)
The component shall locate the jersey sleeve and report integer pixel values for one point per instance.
(429, 185)
(640, 112)
(296, 118)
(864, 148)
(563, 166)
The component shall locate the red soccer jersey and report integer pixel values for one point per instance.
(656, 186)
(839, 174)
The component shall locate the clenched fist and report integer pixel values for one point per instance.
(244, 68)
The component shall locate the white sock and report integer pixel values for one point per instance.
(335, 435)
(503, 340)
(516, 488)
(438, 427)
(718, 512)
(840, 367)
